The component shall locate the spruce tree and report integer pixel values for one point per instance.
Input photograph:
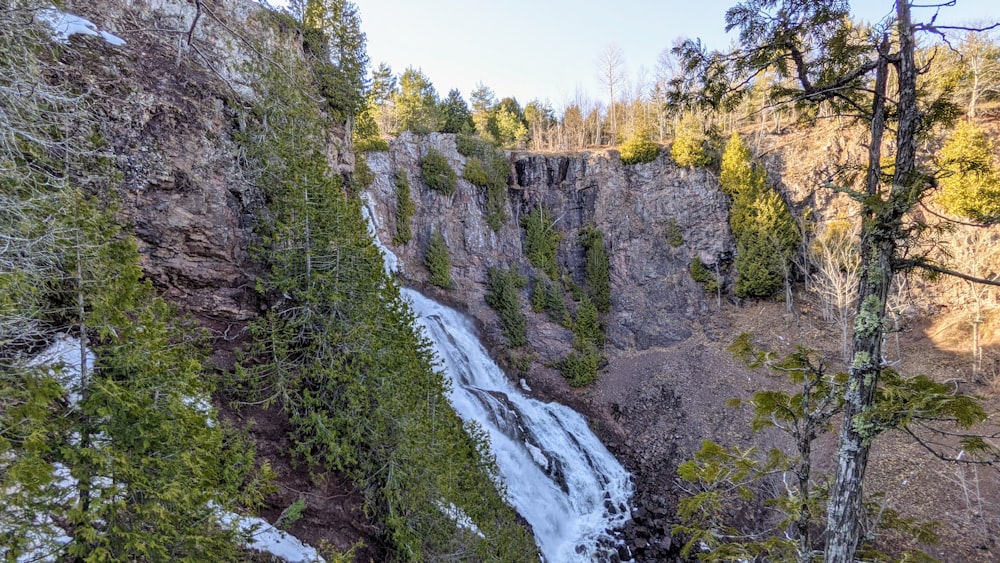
(438, 261)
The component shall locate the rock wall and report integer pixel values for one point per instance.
(170, 100)
(654, 300)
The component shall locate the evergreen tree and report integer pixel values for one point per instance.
(333, 30)
(541, 240)
(598, 269)
(639, 148)
(438, 261)
(437, 173)
(121, 459)
(416, 103)
(688, 148)
(338, 346)
(970, 184)
(455, 114)
(503, 296)
(404, 209)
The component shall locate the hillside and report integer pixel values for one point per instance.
(183, 217)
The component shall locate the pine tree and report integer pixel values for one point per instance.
(688, 148)
(438, 261)
(455, 114)
(970, 183)
(416, 103)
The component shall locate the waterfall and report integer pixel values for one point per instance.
(558, 475)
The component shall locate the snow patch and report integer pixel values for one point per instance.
(63, 360)
(460, 517)
(266, 538)
(65, 25)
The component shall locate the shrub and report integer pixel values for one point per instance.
(404, 209)
(437, 173)
(502, 294)
(549, 296)
(475, 173)
(700, 274)
(541, 240)
(438, 261)
(486, 167)
(688, 148)
(639, 148)
(581, 368)
(673, 234)
(363, 175)
(598, 268)
(472, 146)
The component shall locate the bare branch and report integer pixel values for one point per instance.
(909, 264)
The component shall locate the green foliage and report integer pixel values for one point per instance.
(765, 247)
(503, 295)
(587, 330)
(549, 296)
(337, 346)
(688, 148)
(487, 167)
(702, 275)
(767, 235)
(365, 136)
(673, 233)
(970, 183)
(639, 148)
(737, 172)
(541, 240)
(362, 177)
(291, 514)
(437, 173)
(118, 458)
(723, 484)
(598, 270)
(475, 173)
(333, 36)
(416, 103)
(581, 366)
(438, 261)
(405, 209)
(455, 114)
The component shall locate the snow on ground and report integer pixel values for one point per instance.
(46, 539)
(267, 538)
(460, 517)
(64, 25)
(63, 359)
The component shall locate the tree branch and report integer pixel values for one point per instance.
(909, 264)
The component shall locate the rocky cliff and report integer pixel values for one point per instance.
(662, 389)
(654, 300)
(170, 98)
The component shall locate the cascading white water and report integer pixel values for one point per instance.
(558, 475)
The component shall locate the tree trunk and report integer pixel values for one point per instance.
(881, 233)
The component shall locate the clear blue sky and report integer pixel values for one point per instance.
(548, 49)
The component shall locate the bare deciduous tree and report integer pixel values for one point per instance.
(611, 73)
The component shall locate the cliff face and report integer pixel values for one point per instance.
(169, 100)
(654, 300)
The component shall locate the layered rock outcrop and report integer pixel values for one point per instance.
(171, 98)
(637, 208)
